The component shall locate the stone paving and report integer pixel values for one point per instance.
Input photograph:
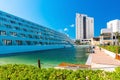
(101, 60)
(101, 57)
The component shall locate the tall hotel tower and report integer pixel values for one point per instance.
(84, 27)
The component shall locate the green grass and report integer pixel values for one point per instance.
(112, 48)
(27, 72)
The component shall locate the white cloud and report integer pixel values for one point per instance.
(72, 25)
(65, 29)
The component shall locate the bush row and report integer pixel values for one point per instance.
(28, 72)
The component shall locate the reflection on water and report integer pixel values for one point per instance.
(49, 58)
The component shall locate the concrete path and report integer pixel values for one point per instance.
(101, 60)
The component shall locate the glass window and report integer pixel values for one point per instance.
(24, 29)
(30, 36)
(19, 42)
(20, 24)
(28, 42)
(13, 33)
(3, 19)
(13, 22)
(8, 16)
(17, 28)
(2, 32)
(35, 43)
(36, 37)
(7, 26)
(41, 43)
(16, 18)
(7, 42)
(22, 35)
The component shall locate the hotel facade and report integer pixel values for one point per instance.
(20, 35)
(114, 25)
(84, 27)
(108, 34)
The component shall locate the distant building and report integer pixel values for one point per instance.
(108, 34)
(114, 25)
(95, 41)
(84, 27)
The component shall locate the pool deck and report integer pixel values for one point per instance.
(101, 60)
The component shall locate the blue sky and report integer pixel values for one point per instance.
(60, 14)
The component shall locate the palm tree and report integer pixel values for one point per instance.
(119, 40)
(117, 35)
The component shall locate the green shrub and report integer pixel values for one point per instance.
(27, 72)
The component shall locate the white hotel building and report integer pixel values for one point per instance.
(84, 27)
(108, 36)
(114, 25)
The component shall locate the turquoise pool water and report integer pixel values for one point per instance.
(49, 58)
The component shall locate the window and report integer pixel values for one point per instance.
(22, 35)
(2, 32)
(35, 42)
(19, 42)
(16, 18)
(7, 42)
(30, 36)
(24, 29)
(22, 20)
(8, 16)
(7, 26)
(26, 25)
(13, 33)
(36, 37)
(28, 42)
(20, 24)
(41, 43)
(41, 37)
(17, 28)
(31, 31)
(3, 19)
(13, 22)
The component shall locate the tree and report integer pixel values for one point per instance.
(77, 42)
(117, 35)
(102, 34)
(118, 39)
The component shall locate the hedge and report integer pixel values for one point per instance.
(28, 72)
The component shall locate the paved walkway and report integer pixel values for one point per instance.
(100, 59)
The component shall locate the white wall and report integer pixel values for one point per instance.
(114, 25)
(89, 26)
